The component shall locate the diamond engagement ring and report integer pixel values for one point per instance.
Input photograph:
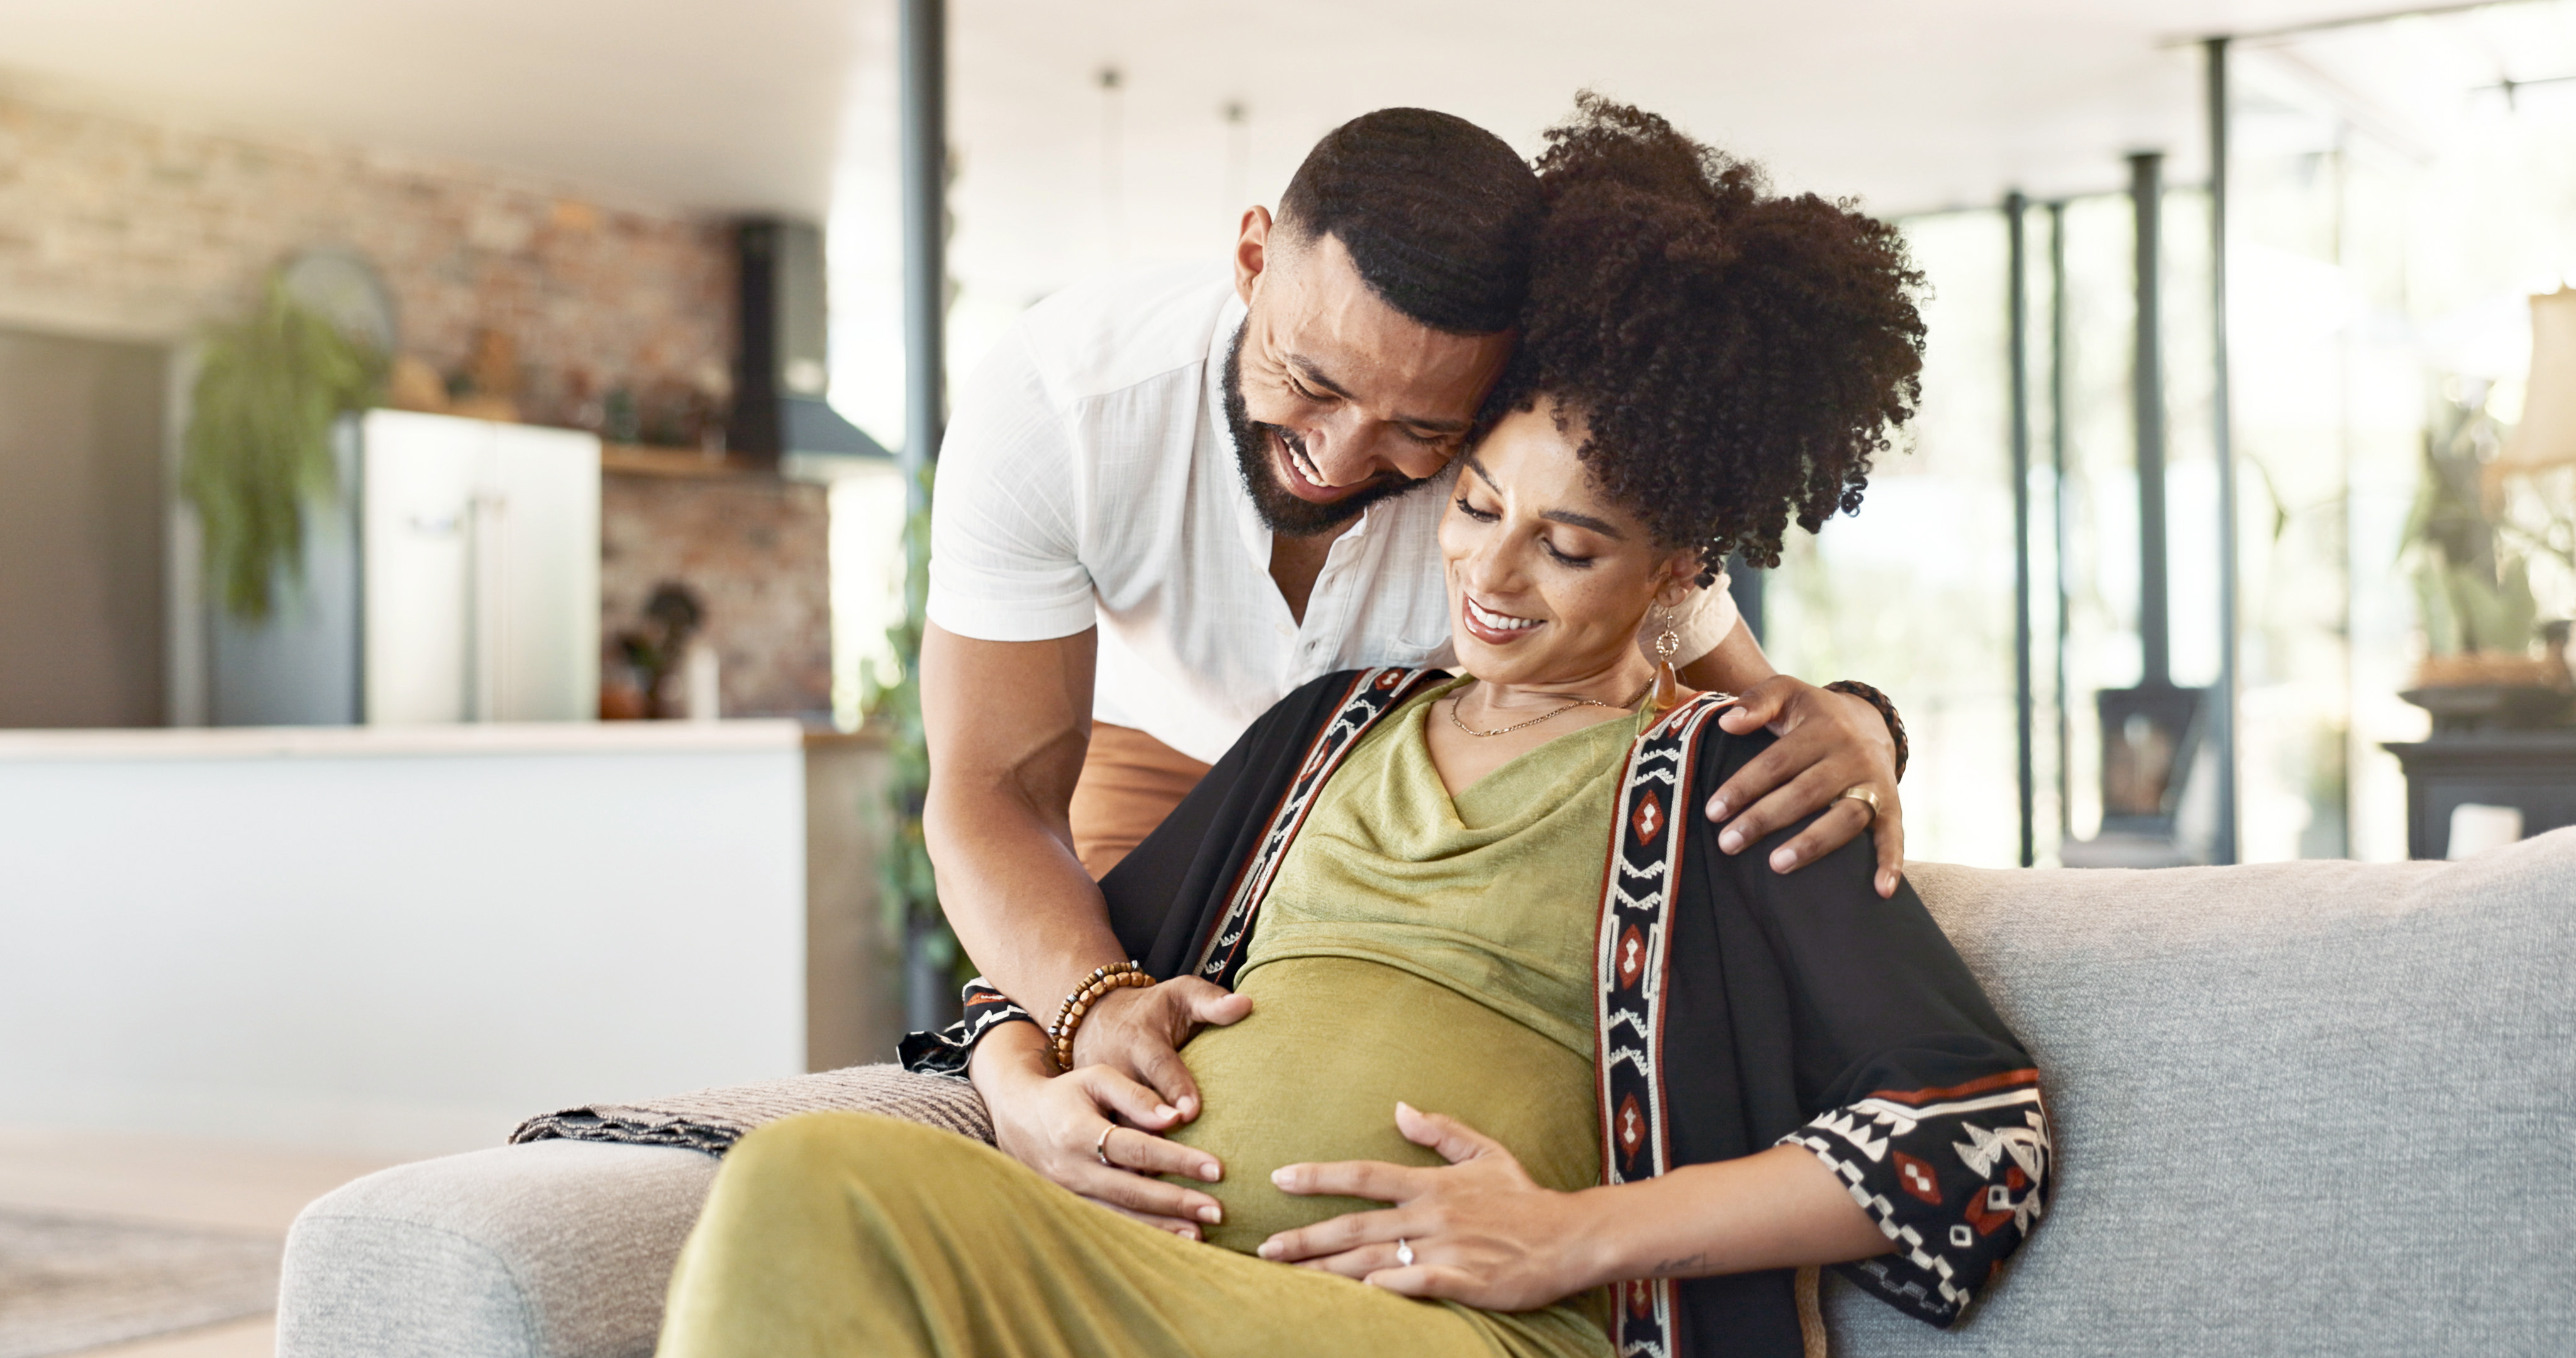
(1403, 1252)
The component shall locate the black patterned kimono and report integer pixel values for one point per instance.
(1737, 1009)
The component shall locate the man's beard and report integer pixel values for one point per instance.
(1281, 511)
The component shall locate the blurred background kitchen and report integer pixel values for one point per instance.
(456, 460)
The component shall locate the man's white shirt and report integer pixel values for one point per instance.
(1088, 477)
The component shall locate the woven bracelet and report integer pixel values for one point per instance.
(1886, 712)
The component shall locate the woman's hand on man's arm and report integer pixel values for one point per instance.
(1482, 1233)
(1054, 1124)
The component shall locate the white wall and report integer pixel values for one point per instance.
(394, 941)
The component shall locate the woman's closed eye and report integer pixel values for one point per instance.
(1468, 507)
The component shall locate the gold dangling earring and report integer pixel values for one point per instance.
(1668, 685)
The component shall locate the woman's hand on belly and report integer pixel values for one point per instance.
(1060, 1126)
(1482, 1232)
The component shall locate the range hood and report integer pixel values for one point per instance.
(783, 371)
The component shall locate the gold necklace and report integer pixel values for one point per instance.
(1454, 719)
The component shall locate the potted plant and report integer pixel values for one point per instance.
(2471, 537)
(258, 442)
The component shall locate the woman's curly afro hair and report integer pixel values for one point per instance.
(1738, 358)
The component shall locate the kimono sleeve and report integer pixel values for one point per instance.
(1918, 1097)
(948, 1051)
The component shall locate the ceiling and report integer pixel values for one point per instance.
(759, 104)
(788, 105)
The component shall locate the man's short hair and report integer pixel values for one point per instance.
(1437, 213)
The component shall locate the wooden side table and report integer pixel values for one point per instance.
(2533, 770)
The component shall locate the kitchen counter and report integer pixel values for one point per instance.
(403, 940)
(349, 742)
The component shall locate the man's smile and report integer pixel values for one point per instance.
(1300, 476)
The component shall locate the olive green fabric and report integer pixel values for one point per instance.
(1368, 1035)
(844, 1235)
(1493, 893)
(1420, 950)
(1413, 946)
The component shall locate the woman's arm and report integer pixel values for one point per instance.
(1780, 1208)
(1483, 1234)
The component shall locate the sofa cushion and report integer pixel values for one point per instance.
(2300, 1108)
(559, 1249)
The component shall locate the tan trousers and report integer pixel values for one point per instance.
(1129, 782)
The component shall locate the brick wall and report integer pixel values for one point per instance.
(149, 230)
(756, 551)
(122, 226)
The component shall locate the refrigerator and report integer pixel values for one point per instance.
(454, 579)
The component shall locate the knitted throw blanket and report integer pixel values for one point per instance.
(711, 1120)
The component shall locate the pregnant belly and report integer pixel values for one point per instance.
(1315, 1072)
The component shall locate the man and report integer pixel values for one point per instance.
(1171, 497)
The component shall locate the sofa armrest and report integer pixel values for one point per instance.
(554, 1249)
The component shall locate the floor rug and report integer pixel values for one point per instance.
(69, 1282)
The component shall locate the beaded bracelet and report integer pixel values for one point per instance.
(1068, 1016)
(1886, 712)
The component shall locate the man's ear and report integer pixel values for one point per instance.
(1252, 252)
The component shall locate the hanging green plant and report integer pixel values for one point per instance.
(259, 441)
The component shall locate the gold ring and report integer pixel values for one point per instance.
(1100, 1148)
(1864, 794)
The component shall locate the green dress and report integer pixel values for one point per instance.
(1414, 947)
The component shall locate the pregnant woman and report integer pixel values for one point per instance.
(1517, 1064)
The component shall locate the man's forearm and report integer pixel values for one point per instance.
(1007, 724)
(1736, 665)
(1022, 906)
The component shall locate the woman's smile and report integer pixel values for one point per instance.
(1549, 577)
(1491, 627)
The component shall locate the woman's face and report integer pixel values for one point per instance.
(1548, 580)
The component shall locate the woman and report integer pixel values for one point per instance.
(1517, 1049)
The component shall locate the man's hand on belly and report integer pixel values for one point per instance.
(1062, 1125)
(1139, 1034)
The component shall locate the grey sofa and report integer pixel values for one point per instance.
(2307, 1108)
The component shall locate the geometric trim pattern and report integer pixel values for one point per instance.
(1955, 1178)
(1372, 694)
(946, 1051)
(1630, 956)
